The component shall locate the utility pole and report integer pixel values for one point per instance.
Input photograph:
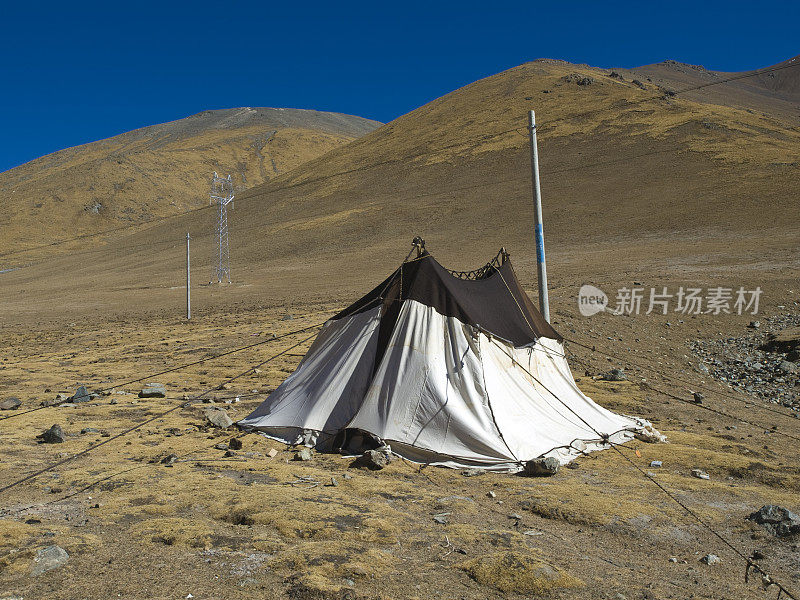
(188, 283)
(544, 302)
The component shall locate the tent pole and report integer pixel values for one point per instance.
(544, 302)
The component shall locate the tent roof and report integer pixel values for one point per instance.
(490, 298)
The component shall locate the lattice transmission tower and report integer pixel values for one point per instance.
(222, 194)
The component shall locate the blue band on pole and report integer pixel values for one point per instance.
(539, 243)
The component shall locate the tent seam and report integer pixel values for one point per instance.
(489, 404)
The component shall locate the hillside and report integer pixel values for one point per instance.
(631, 177)
(161, 170)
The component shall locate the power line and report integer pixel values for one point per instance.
(147, 421)
(520, 179)
(170, 370)
(702, 406)
(748, 561)
(473, 141)
(673, 92)
(684, 381)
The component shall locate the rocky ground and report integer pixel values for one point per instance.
(761, 362)
(184, 504)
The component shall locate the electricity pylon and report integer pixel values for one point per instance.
(222, 194)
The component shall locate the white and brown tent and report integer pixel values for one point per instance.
(448, 368)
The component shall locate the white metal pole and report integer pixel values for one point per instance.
(188, 283)
(544, 303)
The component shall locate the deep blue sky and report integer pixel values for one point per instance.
(74, 72)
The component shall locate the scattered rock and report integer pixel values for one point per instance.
(451, 499)
(672, 559)
(59, 399)
(615, 75)
(698, 397)
(287, 317)
(221, 446)
(787, 367)
(230, 453)
(656, 464)
(272, 453)
(54, 435)
(169, 460)
(650, 435)
(86, 430)
(235, 444)
(710, 559)
(786, 340)
(539, 467)
(372, 459)
(754, 324)
(304, 454)
(48, 559)
(753, 363)
(578, 78)
(441, 519)
(615, 375)
(218, 417)
(491, 494)
(777, 520)
(153, 390)
(700, 474)
(10, 403)
(81, 395)
(472, 472)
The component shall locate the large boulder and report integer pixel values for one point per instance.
(10, 403)
(373, 460)
(541, 467)
(48, 559)
(54, 435)
(304, 454)
(80, 395)
(615, 375)
(217, 417)
(777, 520)
(153, 390)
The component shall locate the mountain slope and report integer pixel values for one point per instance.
(161, 170)
(634, 180)
(773, 90)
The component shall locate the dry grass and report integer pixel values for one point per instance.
(515, 572)
(376, 528)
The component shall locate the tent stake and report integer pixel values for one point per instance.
(544, 302)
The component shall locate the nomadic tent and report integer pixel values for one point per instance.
(449, 368)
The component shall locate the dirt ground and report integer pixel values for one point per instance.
(230, 527)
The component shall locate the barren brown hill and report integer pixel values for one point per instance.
(161, 170)
(632, 177)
